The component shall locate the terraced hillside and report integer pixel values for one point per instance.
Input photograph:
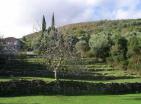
(86, 70)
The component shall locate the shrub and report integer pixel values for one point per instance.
(38, 87)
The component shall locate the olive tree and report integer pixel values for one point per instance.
(82, 47)
(100, 45)
(119, 52)
(134, 44)
(70, 43)
(134, 51)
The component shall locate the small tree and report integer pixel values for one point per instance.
(71, 42)
(55, 54)
(82, 47)
(134, 44)
(134, 52)
(122, 47)
(53, 48)
(119, 53)
(100, 45)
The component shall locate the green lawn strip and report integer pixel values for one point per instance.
(4, 79)
(132, 80)
(116, 73)
(138, 80)
(83, 99)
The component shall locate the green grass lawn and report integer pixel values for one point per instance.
(4, 79)
(132, 80)
(102, 99)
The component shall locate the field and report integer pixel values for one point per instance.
(93, 70)
(104, 99)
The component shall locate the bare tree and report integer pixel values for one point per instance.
(56, 54)
(52, 45)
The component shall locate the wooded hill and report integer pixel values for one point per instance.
(113, 26)
(114, 41)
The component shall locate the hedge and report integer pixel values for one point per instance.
(38, 87)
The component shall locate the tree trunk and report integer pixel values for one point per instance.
(55, 74)
(57, 68)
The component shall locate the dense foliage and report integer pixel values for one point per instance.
(116, 42)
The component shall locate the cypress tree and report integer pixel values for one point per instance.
(43, 24)
(53, 22)
(41, 40)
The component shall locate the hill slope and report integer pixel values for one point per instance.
(116, 26)
(98, 26)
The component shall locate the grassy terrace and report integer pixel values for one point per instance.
(102, 99)
(133, 80)
(86, 66)
(119, 75)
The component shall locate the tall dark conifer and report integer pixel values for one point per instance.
(43, 24)
(53, 21)
(41, 39)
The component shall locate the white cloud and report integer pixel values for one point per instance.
(128, 9)
(87, 2)
(18, 17)
(10, 19)
(127, 3)
(122, 14)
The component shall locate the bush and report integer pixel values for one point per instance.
(135, 64)
(38, 87)
(100, 44)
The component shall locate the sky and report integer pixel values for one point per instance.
(21, 17)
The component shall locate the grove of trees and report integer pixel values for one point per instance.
(114, 42)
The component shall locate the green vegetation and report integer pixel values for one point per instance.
(84, 68)
(4, 79)
(102, 99)
(116, 42)
(113, 48)
(94, 52)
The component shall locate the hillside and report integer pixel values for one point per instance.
(124, 26)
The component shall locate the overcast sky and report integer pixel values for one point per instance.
(21, 17)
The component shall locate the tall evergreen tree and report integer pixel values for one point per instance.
(43, 24)
(53, 21)
(41, 40)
